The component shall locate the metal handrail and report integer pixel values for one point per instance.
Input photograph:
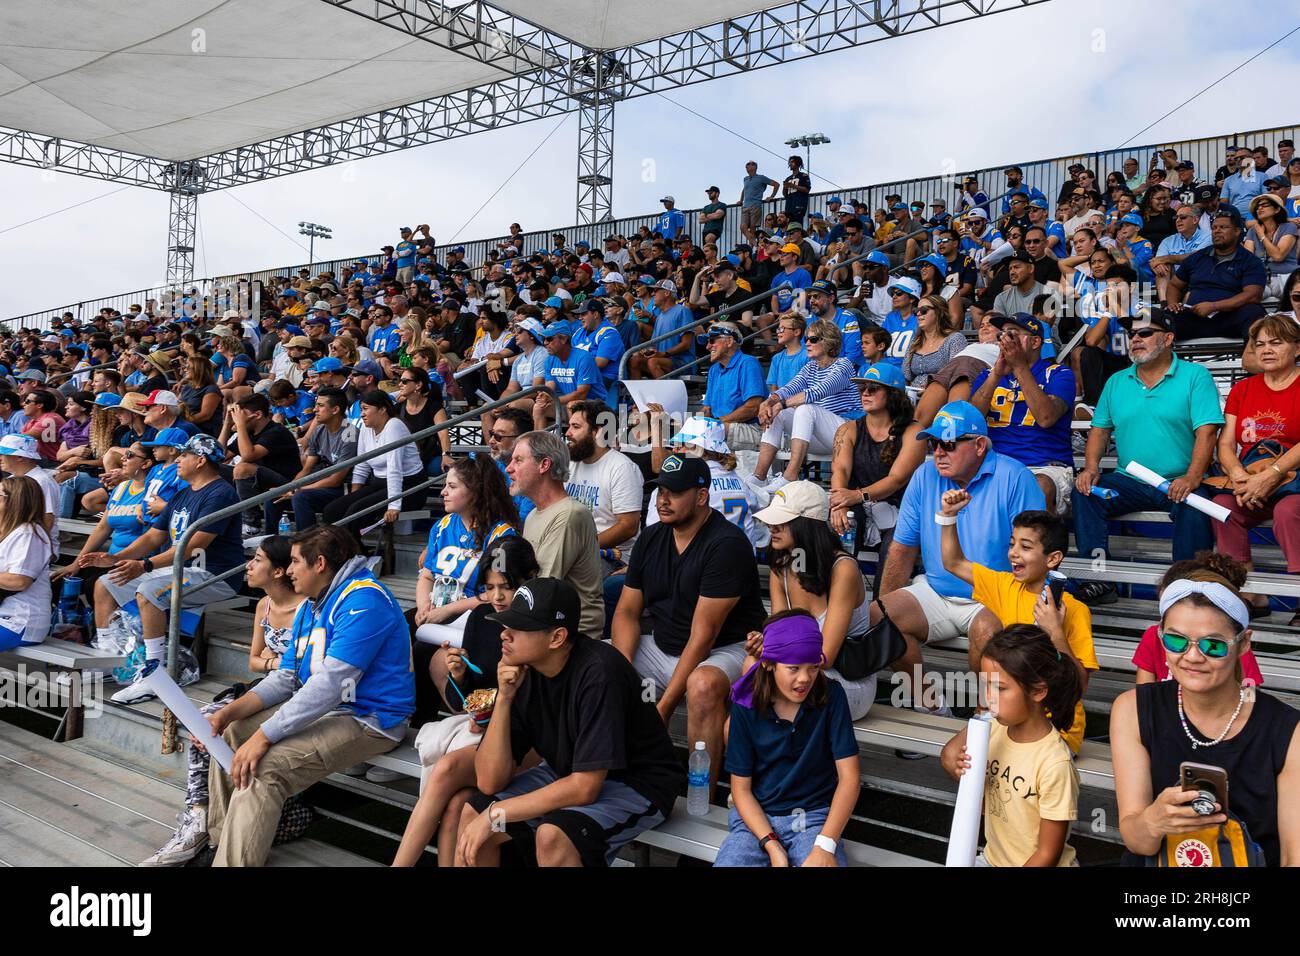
(179, 558)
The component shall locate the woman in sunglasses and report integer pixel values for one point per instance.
(935, 343)
(819, 399)
(1205, 715)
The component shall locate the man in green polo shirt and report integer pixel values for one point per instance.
(1164, 414)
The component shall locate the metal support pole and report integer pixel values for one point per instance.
(596, 160)
(181, 221)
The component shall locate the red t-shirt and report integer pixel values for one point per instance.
(1150, 656)
(1264, 413)
(45, 429)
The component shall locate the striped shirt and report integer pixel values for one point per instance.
(831, 387)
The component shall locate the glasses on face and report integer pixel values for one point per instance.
(873, 389)
(925, 309)
(948, 446)
(1017, 202)
(409, 381)
(1033, 242)
(1143, 333)
(1215, 647)
(497, 436)
(814, 339)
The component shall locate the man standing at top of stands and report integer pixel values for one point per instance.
(671, 222)
(561, 530)
(343, 694)
(937, 605)
(1217, 291)
(796, 190)
(735, 387)
(695, 575)
(1016, 184)
(1027, 401)
(751, 200)
(1164, 413)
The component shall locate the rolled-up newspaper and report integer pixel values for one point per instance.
(963, 841)
(1199, 502)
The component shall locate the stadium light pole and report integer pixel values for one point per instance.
(808, 141)
(313, 231)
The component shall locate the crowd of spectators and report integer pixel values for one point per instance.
(946, 365)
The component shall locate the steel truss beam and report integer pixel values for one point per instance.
(182, 222)
(779, 35)
(596, 161)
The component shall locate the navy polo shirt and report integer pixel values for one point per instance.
(1211, 280)
(792, 765)
(730, 386)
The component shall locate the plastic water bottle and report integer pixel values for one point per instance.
(850, 534)
(286, 527)
(697, 781)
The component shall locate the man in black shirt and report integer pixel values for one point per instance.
(694, 574)
(608, 770)
(796, 189)
(268, 453)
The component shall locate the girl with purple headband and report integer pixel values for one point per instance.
(791, 754)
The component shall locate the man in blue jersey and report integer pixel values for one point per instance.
(823, 301)
(343, 694)
(382, 337)
(792, 277)
(1027, 401)
(404, 257)
(671, 222)
(597, 336)
(570, 371)
(1016, 184)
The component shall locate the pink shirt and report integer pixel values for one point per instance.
(1150, 656)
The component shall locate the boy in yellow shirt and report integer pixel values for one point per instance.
(1038, 543)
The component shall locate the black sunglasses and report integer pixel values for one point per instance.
(813, 339)
(949, 446)
(1144, 333)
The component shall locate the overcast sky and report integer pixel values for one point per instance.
(1062, 77)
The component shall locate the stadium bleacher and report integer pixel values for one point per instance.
(900, 818)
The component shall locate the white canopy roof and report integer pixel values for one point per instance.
(181, 79)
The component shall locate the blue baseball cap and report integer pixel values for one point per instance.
(168, 438)
(885, 373)
(328, 364)
(293, 329)
(1021, 320)
(936, 260)
(897, 206)
(1038, 203)
(205, 446)
(1133, 219)
(108, 400)
(366, 367)
(835, 199)
(316, 318)
(555, 302)
(877, 257)
(956, 420)
(824, 286)
(557, 328)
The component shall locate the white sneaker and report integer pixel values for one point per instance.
(383, 775)
(137, 692)
(190, 837)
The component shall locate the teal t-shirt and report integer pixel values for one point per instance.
(1157, 426)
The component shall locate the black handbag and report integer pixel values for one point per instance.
(861, 655)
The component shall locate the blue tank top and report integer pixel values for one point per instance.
(125, 514)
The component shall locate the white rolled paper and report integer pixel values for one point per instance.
(1199, 502)
(438, 634)
(963, 841)
(161, 683)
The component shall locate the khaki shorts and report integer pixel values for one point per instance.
(1063, 478)
(751, 217)
(948, 617)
